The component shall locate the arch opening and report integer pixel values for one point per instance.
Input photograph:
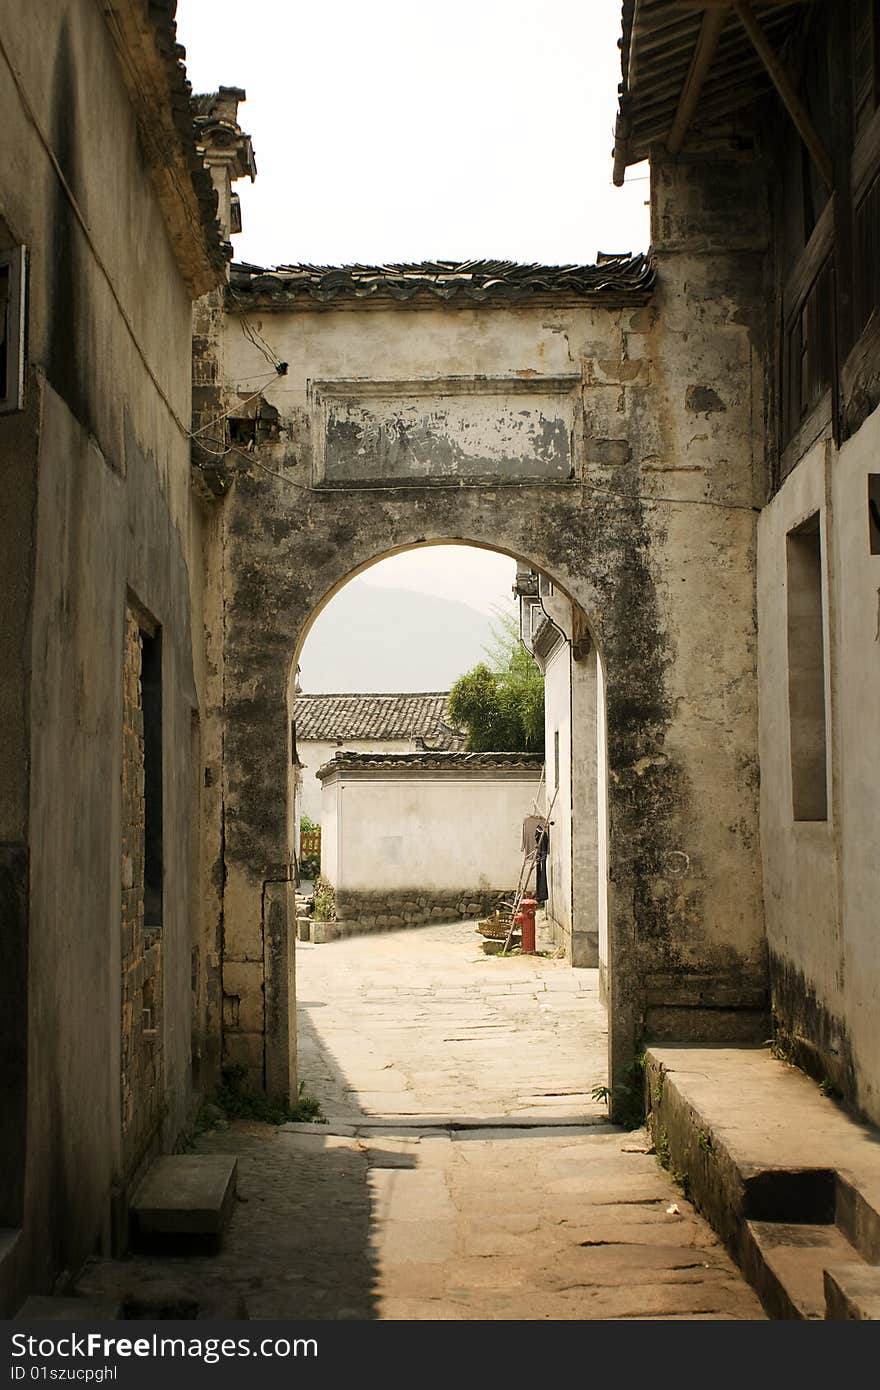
(415, 833)
(336, 585)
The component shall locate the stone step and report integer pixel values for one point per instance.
(185, 1195)
(43, 1308)
(789, 1181)
(787, 1263)
(852, 1291)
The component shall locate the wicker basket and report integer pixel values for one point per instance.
(497, 926)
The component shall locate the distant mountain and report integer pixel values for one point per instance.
(376, 639)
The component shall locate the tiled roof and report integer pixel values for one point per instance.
(150, 59)
(416, 716)
(613, 279)
(446, 762)
(215, 117)
(180, 96)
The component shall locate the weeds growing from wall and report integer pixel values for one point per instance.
(238, 1103)
(626, 1101)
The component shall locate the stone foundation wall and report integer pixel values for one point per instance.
(142, 1071)
(363, 912)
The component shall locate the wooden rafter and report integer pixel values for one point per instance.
(714, 20)
(784, 86)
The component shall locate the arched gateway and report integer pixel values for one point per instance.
(554, 415)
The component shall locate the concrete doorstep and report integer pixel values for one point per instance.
(790, 1182)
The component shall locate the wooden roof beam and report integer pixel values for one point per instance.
(785, 87)
(714, 20)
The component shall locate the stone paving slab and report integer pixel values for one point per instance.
(477, 1035)
(508, 1196)
(513, 1196)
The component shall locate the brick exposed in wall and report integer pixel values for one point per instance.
(142, 1069)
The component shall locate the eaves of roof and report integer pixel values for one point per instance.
(432, 762)
(151, 63)
(461, 284)
(658, 44)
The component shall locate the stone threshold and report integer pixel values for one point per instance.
(788, 1180)
(368, 1126)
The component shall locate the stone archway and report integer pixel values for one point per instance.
(363, 455)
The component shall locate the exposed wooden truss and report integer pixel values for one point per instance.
(700, 62)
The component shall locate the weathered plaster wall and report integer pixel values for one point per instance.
(653, 536)
(710, 378)
(430, 831)
(106, 509)
(800, 857)
(820, 876)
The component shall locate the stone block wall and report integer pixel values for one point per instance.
(392, 911)
(142, 1069)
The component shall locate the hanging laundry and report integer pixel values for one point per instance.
(532, 825)
(542, 845)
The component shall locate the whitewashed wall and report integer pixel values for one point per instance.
(821, 876)
(424, 829)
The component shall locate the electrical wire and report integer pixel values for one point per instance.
(258, 376)
(489, 487)
(279, 368)
(236, 405)
(87, 233)
(255, 337)
(267, 351)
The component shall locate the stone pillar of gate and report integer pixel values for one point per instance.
(259, 1015)
(584, 820)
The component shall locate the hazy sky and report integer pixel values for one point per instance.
(481, 578)
(386, 130)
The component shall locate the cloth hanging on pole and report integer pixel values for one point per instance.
(542, 845)
(531, 825)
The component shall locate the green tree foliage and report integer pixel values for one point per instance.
(500, 704)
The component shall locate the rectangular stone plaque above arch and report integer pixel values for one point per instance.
(445, 429)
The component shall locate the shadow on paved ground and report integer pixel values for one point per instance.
(298, 1245)
(466, 1172)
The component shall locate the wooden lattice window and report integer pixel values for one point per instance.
(809, 350)
(310, 842)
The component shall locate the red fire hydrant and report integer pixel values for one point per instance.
(525, 920)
